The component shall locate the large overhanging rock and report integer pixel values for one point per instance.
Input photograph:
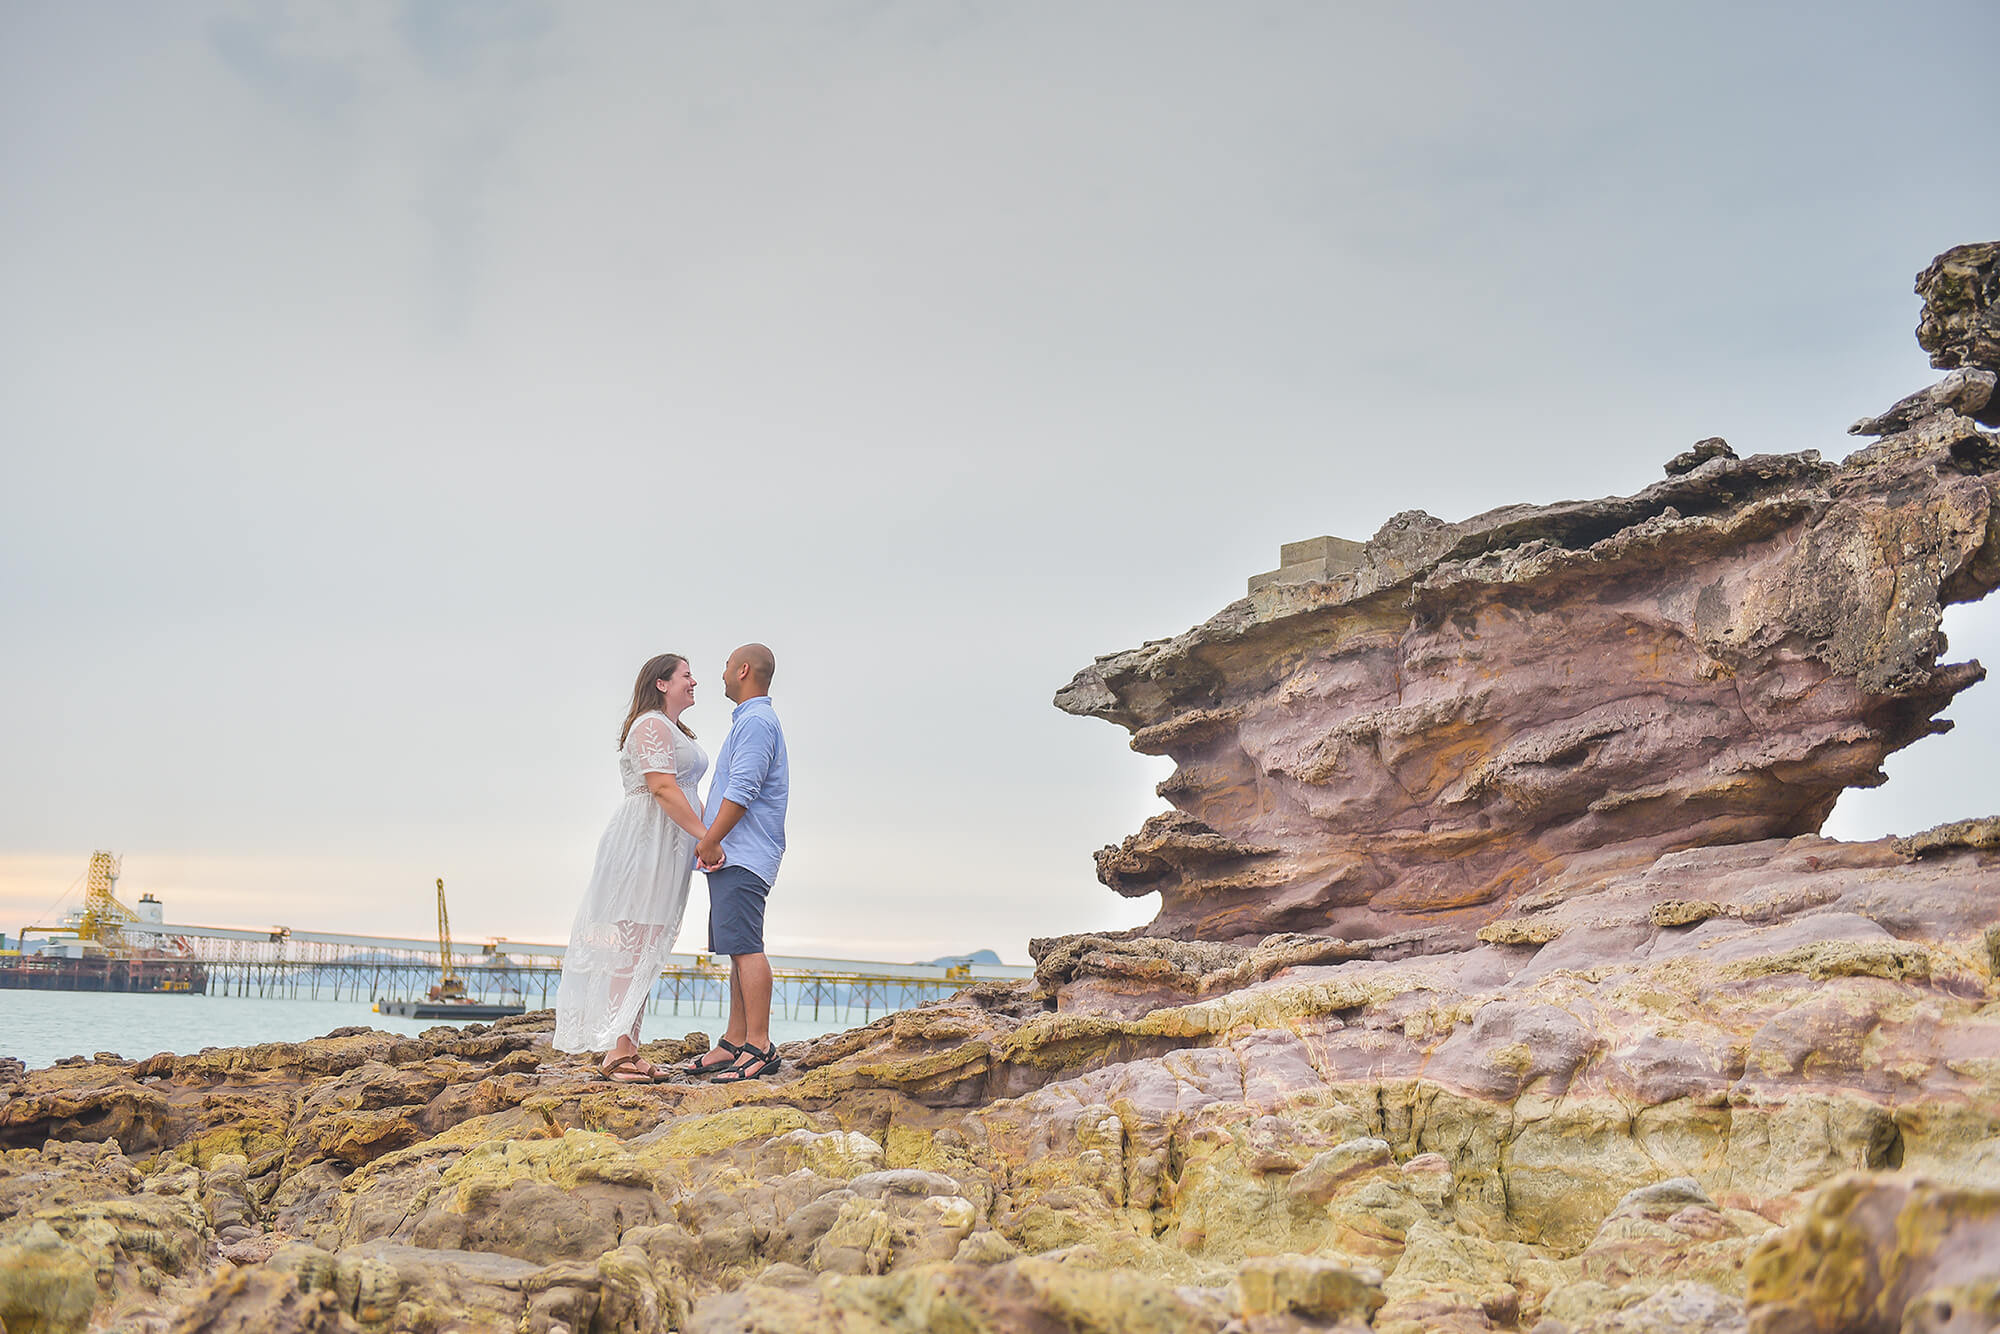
(1542, 695)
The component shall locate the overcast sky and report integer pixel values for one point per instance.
(381, 384)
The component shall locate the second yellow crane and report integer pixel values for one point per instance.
(450, 986)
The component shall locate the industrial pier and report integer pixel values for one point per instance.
(321, 965)
(135, 949)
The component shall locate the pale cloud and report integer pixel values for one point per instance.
(302, 57)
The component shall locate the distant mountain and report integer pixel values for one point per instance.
(977, 956)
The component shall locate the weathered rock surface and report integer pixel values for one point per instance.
(1483, 1004)
(1960, 326)
(1549, 695)
(1631, 1126)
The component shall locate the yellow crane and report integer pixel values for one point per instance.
(448, 999)
(451, 986)
(104, 917)
(102, 922)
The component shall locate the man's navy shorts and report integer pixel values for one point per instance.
(736, 911)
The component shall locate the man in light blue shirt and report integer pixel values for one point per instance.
(746, 841)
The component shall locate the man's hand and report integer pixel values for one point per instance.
(708, 852)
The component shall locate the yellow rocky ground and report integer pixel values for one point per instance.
(1722, 1125)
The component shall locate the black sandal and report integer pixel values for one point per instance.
(762, 1061)
(703, 1071)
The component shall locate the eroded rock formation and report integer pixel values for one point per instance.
(1676, 1064)
(1960, 325)
(1546, 695)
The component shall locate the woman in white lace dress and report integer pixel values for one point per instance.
(631, 913)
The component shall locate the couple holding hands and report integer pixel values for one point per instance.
(661, 832)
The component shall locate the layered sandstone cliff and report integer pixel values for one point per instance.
(1547, 695)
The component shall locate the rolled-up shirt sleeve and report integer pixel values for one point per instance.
(751, 755)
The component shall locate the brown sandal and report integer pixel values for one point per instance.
(608, 1072)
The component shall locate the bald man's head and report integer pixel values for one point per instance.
(748, 673)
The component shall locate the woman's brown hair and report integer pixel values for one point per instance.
(646, 698)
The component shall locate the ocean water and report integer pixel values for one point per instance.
(42, 1027)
